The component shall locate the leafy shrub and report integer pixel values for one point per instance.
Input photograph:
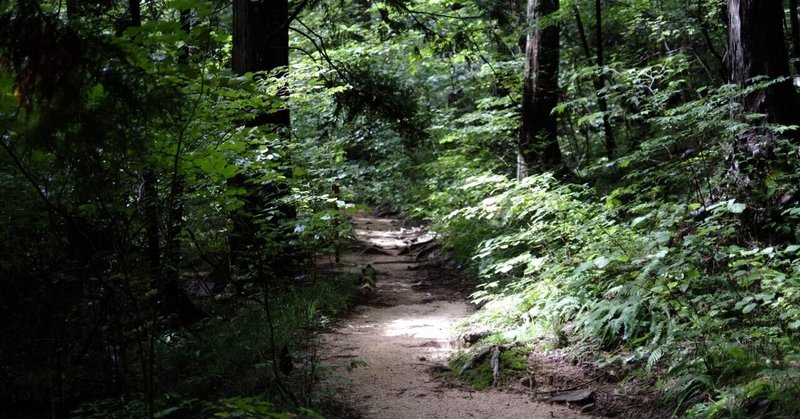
(678, 294)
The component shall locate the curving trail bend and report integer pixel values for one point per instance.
(403, 333)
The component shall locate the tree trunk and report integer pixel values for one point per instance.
(175, 298)
(135, 10)
(795, 27)
(600, 83)
(581, 31)
(261, 43)
(538, 141)
(600, 80)
(186, 26)
(756, 47)
(150, 198)
(72, 9)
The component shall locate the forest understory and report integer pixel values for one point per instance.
(404, 334)
(613, 188)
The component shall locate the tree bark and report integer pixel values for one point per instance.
(176, 300)
(538, 141)
(186, 26)
(581, 31)
(600, 83)
(261, 43)
(153, 237)
(72, 9)
(600, 80)
(795, 28)
(756, 48)
(135, 10)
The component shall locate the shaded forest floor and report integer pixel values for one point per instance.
(403, 331)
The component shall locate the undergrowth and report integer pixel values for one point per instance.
(478, 374)
(672, 260)
(225, 366)
(685, 295)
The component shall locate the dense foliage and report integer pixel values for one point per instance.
(160, 240)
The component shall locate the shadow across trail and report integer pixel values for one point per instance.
(403, 333)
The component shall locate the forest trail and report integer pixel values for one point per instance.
(404, 332)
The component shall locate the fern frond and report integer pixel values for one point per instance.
(654, 357)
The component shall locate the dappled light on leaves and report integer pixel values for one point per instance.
(611, 185)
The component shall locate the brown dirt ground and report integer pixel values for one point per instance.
(404, 333)
(615, 394)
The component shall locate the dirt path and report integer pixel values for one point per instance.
(403, 332)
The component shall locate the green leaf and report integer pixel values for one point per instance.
(185, 4)
(601, 262)
(505, 269)
(299, 171)
(735, 207)
(166, 412)
(636, 221)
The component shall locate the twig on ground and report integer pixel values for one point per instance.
(495, 363)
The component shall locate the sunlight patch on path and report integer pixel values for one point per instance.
(421, 327)
(404, 329)
(431, 333)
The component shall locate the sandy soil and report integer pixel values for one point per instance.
(404, 332)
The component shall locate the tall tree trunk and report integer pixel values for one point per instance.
(600, 80)
(186, 26)
(756, 47)
(538, 140)
(795, 28)
(261, 43)
(153, 238)
(72, 9)
(135, 10)
(175, 298)
(581, 31)
(600, 83)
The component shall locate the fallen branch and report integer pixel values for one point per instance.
(472, 337)
(479, 355)
(495, 363)
(475, 358)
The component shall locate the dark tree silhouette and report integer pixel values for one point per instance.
(538, 141)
